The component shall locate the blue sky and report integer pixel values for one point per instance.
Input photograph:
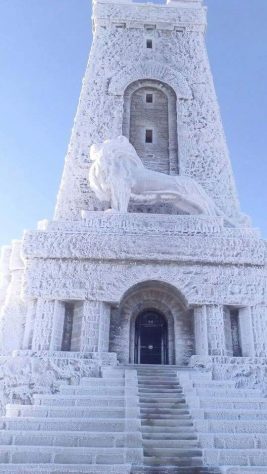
(44, 45)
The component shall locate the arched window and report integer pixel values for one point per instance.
(150, 123)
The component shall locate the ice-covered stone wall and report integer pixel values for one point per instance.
(178, 58)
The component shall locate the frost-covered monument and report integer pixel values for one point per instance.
(148, 260)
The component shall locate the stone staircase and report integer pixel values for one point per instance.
(91, 428)
(231, 423)
(169, 438)
(138, 420)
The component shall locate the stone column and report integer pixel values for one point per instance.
(57, 326)
(95, 327)
(201, 331)
(259, 330)
(216, 330)
(29, 325)
(43, 325)
(246, 332)
(210, 330)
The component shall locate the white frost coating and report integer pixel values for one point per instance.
(118, 175)
(152, 70)
(118, 56)
(5, 274)
(78, 283)
(13, 311)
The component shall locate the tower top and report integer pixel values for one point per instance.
(172, 3)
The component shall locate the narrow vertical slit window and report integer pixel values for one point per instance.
(149, 136)
(149, 98)
(149, 43)
(68, 326)
(234, 318)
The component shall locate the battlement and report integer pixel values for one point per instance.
(173, 3)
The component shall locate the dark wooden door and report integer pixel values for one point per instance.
(151, 338)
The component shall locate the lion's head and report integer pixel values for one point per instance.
(114, 148)
(113, 163)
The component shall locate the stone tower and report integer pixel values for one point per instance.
(154, 285)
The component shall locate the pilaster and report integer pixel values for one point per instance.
(259, 330)
(201, 331)
(95, 327)
(210, 330)
(43, 325)
(246, 332)
(216, 330)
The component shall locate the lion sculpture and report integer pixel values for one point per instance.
(117, 175)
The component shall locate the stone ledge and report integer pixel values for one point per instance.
(146, 237)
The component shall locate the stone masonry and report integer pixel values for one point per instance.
(136, 341)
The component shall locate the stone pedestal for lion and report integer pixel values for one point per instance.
(147, 228)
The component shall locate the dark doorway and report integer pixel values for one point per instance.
(151, 338)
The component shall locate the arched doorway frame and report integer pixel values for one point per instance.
(159, 331)
(169, 300)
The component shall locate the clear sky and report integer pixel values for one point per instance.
(44, 45)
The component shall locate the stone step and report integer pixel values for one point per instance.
(160, 392)
(65, 469)
(172, 405)
(231, 426)
(238, 441)
(163, 411)
(232, 414)
(237, 403)
(94, 390)
(169, 398)
(180, 423)
(67, 412)
(70, 438)
(79, 400)
(158, 383)
(174, 436)
(107, 381)
(172, 461)
(170, 443)
(234, 393)
(157, 378)
(245, 470)
(236, 457)
(178, 430)
(161, 387)
(156, 373)
(65, 455)
(70, 424)
(158, 416)
(175, 470)
(168, 452)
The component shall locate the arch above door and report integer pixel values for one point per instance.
(166, 300)
(150, 70)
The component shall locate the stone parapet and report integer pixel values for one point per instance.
(247, 372)
(26, 373)
(186, 13)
